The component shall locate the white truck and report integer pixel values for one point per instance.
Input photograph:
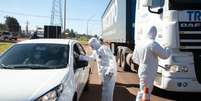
(179, 27)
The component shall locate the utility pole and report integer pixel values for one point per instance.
(56, 13)
(64, 15)
(27, 27)
(88, 24)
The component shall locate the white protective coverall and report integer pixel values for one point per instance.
(146, 55)
(107, 65)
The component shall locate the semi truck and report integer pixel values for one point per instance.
(178, 24)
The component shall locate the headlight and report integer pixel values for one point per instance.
(177, 68)
(52, 95)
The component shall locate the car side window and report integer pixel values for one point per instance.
(77, 50)
(81, 49)
(76, 54)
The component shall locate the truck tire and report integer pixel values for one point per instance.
(118, 57)
(113, 48)
(129, 61)
(124, 65)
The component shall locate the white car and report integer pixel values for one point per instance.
(43, 70)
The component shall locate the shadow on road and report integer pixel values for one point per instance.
(128, 85)
(94, 93)
(177, 96)
(122, 94)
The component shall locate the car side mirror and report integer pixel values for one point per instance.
(82, 63)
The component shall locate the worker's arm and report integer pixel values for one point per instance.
(92, 57)
(163, 53)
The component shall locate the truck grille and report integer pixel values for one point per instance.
(190, 35)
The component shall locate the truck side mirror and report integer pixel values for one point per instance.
(159, 11)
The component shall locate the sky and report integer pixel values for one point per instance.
(37, 13)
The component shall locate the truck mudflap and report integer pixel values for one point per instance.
(197, 65)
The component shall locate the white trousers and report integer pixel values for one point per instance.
(108, 85)
(145, 82)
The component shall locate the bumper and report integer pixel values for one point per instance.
(181, 84)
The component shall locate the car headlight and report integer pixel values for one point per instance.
(177, 68)
(52, 95)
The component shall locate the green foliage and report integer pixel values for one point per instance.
(83, 38)
(71, 33)
(3, 27)
(12, 24)
(4, 46)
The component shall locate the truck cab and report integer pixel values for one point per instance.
(178, 25)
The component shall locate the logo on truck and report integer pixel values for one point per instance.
(194, 15)
(190, 26)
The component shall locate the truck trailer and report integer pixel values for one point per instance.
(178, 23)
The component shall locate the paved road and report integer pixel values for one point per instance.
(126, 89)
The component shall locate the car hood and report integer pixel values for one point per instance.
(21, 85)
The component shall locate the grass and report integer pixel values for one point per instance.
(4, 46)
(83, 42)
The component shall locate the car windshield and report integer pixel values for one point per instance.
(35, 56)
(185, 4)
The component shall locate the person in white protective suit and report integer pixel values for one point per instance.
(146, 56)
(107, 66)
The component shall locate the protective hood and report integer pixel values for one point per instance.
(150, 32)
(94, 43)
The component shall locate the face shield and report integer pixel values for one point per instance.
(93, 42)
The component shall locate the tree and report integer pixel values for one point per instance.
(3, 27)
(12, 24)
(67, 31)
(72, 33)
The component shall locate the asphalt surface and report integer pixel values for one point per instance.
(126, 89)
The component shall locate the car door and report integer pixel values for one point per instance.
(77, 69)
(85, 71)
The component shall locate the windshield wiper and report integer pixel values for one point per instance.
(30, 66)
(5, 66)
(60, 66)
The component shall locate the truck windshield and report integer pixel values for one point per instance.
(184, 4)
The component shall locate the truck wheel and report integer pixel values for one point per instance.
(124, 65)
(112, 47)
(129, 61)
(118, 58)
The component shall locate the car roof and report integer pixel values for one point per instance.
(48, 41)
